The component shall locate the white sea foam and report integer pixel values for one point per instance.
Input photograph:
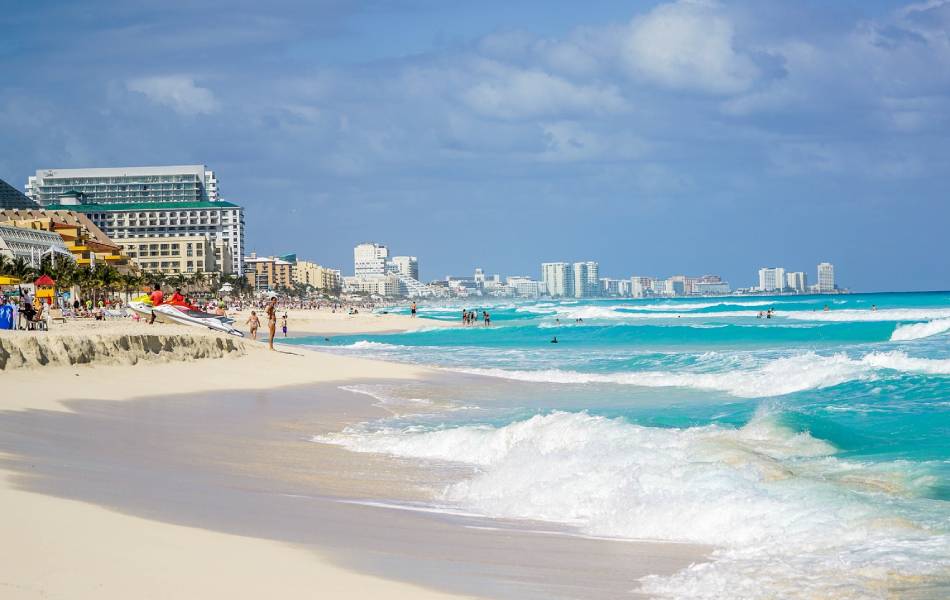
(891, 314)
(788, 519)
(775, 378)
(918, 331)
(612, 313)
(674, 306)
(384, 395)
(366, 345)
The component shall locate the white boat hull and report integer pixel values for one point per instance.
(167, 313)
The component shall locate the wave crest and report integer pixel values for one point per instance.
(917, 331)
(782, 510)
(776, 378)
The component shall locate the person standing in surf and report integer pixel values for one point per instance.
(412, 310)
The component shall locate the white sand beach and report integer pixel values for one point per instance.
(56, 548)
(61, 547)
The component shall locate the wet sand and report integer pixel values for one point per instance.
(242, 462)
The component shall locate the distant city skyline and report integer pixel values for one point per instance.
(663, 137)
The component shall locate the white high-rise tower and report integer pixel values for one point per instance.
(370, 259)
(826, 278)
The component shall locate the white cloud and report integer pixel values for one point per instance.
(507, 92)
(177, 92)
(687, 45)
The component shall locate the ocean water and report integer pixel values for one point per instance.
(811, 450)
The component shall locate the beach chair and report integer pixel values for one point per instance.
(37, 323)
(57, 315)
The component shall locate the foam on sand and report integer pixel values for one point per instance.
(774, 378)
(788, 518)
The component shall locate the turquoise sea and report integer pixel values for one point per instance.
(811, 449)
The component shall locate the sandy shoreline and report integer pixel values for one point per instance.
(63, 542)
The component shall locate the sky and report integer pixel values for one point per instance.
(658, 138)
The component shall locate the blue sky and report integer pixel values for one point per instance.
(656, 137)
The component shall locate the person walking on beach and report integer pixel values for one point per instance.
(156, 297)
(412, 310)
(253, 323)
(271, 321)
(283, 324)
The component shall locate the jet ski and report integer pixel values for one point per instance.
(183, 314)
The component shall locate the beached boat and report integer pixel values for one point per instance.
(184, 315)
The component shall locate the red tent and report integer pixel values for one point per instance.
(45, 280)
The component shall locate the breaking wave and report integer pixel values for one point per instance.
(787, 518)
(775, 378)
(918, 331)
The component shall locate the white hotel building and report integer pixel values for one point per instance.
(148, 204)
(771, 280)
(826, 278)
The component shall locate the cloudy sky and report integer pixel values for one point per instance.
(656, 137)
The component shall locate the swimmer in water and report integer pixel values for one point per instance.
(554, 340)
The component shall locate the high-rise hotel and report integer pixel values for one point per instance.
(144, 208)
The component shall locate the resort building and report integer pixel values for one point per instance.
(711, 288)
(771, 279)
(826, 278)
(221, 222)
(407, 265)
(318, 276)
(269, 273)
(370, 259)
(593, 278)
(558, 279)
(10, 197)
(183, 254)
(581, 285)
(125, 185)
(375, 285)
(148, 202)
(31, 244)
(797, 281)
(640, 287)
(525, 287)
(614, 287)
(87, 244)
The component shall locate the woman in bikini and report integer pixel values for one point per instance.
(272, 321)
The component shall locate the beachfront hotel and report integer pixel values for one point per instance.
(797, 281)
(375, 273)
(826, 278)
(86, 244)
(557, 279)
(578, 280)
(318, 277)
(132, 203)
(771, 279)
(407, 265)
(122, 185)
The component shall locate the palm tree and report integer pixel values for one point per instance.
(130, 282)
(5, 265)
(21, 269)
(177, 280)
(198, 280)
